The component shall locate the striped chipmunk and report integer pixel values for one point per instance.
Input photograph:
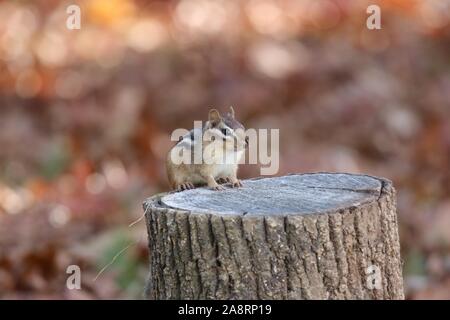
(208, 155)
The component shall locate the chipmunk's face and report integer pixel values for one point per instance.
(225, 132)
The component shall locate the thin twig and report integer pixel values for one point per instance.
(116, 256)
(136, 221)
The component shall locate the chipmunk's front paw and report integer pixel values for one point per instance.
(184, 186)
(236, 184)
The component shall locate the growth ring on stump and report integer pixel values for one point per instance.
(302, 236)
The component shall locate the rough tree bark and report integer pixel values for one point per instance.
(304, 236)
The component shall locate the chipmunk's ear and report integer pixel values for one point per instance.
(214, 117)
(231, 112)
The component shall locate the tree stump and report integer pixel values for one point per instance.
(301, 236)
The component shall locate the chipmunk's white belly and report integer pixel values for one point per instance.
(223, 170)
(228, 168)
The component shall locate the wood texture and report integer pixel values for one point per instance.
(305, 236)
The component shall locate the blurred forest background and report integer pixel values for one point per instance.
(85, 118)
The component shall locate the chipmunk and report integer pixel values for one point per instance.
(223, 143)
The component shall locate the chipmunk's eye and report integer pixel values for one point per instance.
(225, 131)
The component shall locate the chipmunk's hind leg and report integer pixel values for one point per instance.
(231, 178)
(184, 186)
(236, 184)
(212, 184)
(223, 180)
